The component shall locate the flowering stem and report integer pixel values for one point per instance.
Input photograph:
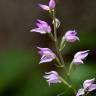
(73, 88)
(71, 83)
(61, 61)
(55, 33)
(56, 43)
(60, 65)
(65, 82)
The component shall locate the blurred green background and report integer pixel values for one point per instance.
(20, 73)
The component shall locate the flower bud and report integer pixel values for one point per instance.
(52, 4)
(57, 22)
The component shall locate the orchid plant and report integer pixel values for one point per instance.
(47, 55)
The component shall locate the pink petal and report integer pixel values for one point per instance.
(92, 87)
(44, 7)
(38, 30)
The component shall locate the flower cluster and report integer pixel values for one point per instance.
(47, 55)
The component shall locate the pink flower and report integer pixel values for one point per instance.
(42, 27)
(79, 56)
(52, 77)
(47, 55)
(70, 36)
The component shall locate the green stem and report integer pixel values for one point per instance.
(55, 33)
(73, 88)
(70, 67)
(61, 61)
(61, 58)
(62, 44)
(65, 82)
(56, 44)
(51, 36)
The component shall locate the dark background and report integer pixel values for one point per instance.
(20, 73)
